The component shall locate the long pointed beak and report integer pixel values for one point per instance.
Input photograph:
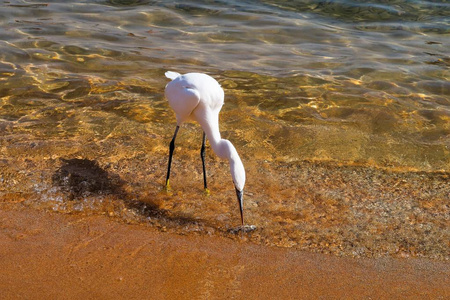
(240, 198)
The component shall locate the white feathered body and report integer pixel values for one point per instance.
(192, 95)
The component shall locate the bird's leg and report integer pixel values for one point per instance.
(202, 154)
(171, 149)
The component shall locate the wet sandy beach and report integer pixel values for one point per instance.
(339, 111)
(58, 256)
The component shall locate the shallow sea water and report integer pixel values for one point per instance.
(339, 110)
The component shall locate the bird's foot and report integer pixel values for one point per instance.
(206, 192)
(167, 188)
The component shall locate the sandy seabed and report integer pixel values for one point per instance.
(62, 256)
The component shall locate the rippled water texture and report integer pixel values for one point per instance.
(339, 109)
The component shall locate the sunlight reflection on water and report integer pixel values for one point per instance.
(356, 86)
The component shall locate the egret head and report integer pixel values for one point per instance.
(225, 149)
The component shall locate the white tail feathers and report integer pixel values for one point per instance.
(172, 75)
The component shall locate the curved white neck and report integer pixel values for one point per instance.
(223, 148)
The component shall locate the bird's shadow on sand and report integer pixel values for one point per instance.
(80, 178)
(84, 178)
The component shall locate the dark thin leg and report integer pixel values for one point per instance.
(171, 149)
(202, 154)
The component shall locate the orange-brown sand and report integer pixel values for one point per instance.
(48, 255)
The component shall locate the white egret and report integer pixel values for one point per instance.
(199, 97)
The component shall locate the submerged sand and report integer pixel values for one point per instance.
(63, 256)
